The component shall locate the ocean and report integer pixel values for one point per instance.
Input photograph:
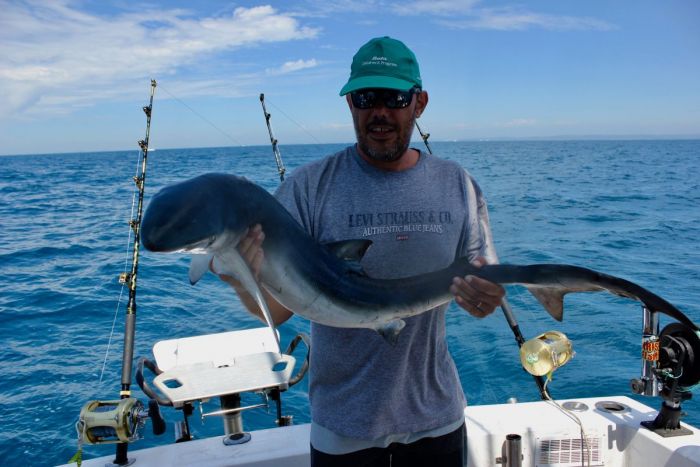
(628, 208)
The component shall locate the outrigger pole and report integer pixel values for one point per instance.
(130, 278)
(273, 140)
(505, 306)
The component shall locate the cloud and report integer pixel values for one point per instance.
(511, 19)
(434, 7)
(454, 14)
(519, 122)
(53, 56)
(292, 66)
(513, 123)
(325, 8)
(338, 126)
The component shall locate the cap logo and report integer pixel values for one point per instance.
(379, 61)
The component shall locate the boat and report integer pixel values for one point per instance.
(612, 430)
(549, 438)
(599, 431)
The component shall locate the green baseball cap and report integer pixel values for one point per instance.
(383, 62)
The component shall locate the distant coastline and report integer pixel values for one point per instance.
(561, 138)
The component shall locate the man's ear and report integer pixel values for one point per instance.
(421, 103)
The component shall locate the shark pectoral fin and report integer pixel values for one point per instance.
(390, 331)
(198, 267)
(351, 250)
(233, 264)
(551, 298)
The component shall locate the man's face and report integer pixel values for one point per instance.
(383, 133)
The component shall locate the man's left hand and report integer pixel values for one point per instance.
(477, 296)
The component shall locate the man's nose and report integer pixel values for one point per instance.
(379, 108)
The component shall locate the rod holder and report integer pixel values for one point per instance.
(511, 452)
(648, 384)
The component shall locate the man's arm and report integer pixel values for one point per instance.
(475, 295)
(250, 248)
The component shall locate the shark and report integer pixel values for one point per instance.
(208, 215)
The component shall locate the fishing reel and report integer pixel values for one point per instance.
(674, 360)
(545, 353)
(117, 421)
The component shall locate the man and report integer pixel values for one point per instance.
(373, 403)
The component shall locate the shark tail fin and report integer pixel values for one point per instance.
(551, 298)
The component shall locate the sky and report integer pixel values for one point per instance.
(74, 75)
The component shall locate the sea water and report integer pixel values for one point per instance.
(628, 208)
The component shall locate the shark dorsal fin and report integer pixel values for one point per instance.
(349, 250)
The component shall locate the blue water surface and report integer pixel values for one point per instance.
(628, 208)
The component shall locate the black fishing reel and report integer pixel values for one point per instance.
(677, 372)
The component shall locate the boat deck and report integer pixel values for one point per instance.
(549, 437)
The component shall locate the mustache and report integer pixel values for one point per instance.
(379, 121)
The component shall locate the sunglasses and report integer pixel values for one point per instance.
(391, 98)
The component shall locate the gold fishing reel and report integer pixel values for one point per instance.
(115, 421)
(545, 353)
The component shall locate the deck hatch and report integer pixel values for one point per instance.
(568, 452)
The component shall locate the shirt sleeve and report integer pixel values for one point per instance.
(479, 238)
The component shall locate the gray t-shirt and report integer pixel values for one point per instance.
(419, 220)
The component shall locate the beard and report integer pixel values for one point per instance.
(388, 151)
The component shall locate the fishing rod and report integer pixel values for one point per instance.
(130, 278)
(273, 140)
(118, 421)
(425, 137)
(505, 306)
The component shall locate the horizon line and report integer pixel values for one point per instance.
(495, 139)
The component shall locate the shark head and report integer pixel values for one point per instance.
(190, 216)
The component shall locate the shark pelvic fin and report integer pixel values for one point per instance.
(199, 265)
(232, 263)
(551, 298)
(350, 250)
(390, 331)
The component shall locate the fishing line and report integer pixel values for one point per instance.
(505, 306)
(295, 122)
(584, 439)
(237, 143)
(478, 367)
(126, 265)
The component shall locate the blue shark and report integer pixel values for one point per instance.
(211, 213)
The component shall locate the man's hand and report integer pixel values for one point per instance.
(477, 296)
(250, 248)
